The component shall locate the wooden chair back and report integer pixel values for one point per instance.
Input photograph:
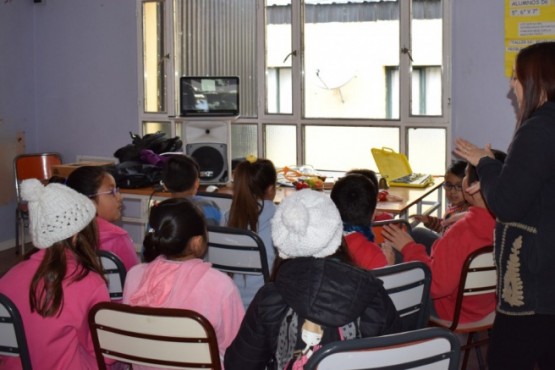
(166, 338)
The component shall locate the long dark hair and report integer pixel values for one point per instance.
(250, 182)
(174, 222)
(87, 179)
(46, 294)
(536, 73)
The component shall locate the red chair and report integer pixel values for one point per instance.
(29, 166)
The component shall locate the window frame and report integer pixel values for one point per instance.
(405, 122)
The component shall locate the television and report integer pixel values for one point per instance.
(206, 96)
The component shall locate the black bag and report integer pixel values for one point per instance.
(133, 174)
(157, 142)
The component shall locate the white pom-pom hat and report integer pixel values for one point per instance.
(56, 212)
(307, 223)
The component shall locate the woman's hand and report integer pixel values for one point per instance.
(396, 236)
(470, 152)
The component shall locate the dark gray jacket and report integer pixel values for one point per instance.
(521, 194)
(325, 291)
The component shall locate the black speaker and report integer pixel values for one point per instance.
(208, 141)
(213, 161)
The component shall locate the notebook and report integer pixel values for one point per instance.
(395, 168)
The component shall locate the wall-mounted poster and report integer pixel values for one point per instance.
(526, 22)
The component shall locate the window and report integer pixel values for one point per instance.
(322, 82)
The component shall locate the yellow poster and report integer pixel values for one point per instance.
(526, 22)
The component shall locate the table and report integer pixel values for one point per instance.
(411, 197)
(137, 204)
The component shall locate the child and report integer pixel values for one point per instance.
(57, 284)
(435, 226)
(383, 195)
(471, 232)
(306, 229)
(97, 184)
(252, 208)
(180, 176)
(355, 197)
(178, 277)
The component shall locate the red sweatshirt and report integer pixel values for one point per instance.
(364, 253)
(466, 235)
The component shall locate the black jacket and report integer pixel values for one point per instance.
(325, 291)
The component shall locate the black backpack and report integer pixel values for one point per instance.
(157, 142)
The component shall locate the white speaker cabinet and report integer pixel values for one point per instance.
(209, 142)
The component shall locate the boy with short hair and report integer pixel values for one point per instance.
(355, 196)
(180, 176)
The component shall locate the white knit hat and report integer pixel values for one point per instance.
(56, 212)
(307, 223)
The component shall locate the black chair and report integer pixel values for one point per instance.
(478, 276)
(428, 348)
(12, 333)
(237, 251)
(408, 285)
(114, 272)
(222, 200)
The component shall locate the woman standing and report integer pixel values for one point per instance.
(521, 193)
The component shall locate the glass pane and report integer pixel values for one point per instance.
(153, 57)
(427, 152)
(243, 140)
(280, 141)
(349, 47)
(151, 127)
(218, 38)
(278, 57)
(427, 55)
(343, 148)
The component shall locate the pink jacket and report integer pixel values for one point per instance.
(363, 252)
(116, 240)
(193, 285)
(60, 342)
(473, 231)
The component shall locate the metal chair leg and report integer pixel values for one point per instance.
(17, 219)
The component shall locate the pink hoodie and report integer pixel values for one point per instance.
(62, 341)
(116, 240)
(193, 285)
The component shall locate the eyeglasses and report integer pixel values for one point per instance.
(451, 187)
(113, 192)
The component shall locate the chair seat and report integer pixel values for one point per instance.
(473, 326)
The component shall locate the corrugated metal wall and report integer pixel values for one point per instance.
(219, 38)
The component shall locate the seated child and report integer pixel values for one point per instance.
(97, 184)
(252, 208)
(355, 197)
(180, 176)
(177, 277)
(382, 194)
(471, 232)
(457, 205)
(307, 229)
(59, 281)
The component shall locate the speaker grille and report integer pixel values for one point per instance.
(212, 161)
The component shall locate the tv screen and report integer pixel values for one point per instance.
(209, 96)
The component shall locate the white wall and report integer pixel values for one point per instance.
(68, 76)
(482, 111)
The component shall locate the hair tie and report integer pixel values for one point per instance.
(251, 158)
